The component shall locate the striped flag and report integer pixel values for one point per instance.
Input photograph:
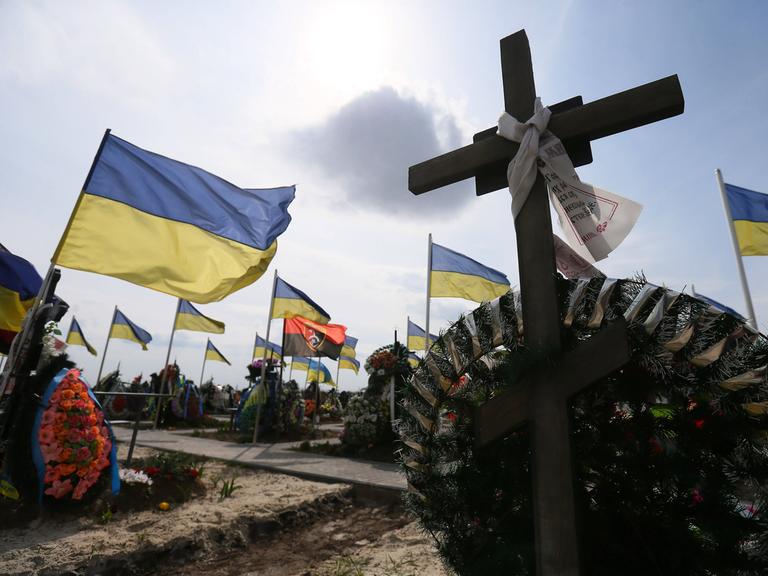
(345, 362)
(212, 353)
(417, 338)
(190, 318)
(75, 337)
(290, 301)
(454, 275)
(124, 329)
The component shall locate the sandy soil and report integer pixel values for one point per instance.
(55, 547)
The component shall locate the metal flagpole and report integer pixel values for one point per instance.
(205, 357)
(429, 289)
(739, 260)
(392, 393)
(2, 362)
(338, 369)
(316, 418)
(282, 358)
(264, 360)
(164, 379)
(290, 370)
(106, 345)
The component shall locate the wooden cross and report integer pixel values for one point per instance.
(542, 400)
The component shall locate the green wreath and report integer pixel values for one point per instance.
(670, 451)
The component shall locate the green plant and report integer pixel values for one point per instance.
(348, 566)
(106, 516)
(228, 488)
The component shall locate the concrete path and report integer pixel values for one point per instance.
(273, 457)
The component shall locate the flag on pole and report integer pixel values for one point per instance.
(290, 302)
(19, 284)
(169, 226)
(749, 212)
(303, 337)
(454, 275)
(124, 329)
(77, 338)
(417, 338)
(413, 360)
(319, 373)
(300, 363)
(212, 353)
(345, 362)
(348, 349)
(190, 318)
(273, 350)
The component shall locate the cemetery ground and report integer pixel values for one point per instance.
(264, 523)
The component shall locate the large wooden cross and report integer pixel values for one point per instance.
(542, 400)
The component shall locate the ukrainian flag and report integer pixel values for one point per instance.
(318, 372)
(212, 353)
(300, 363)
(749, 212)
(170, 226)
(413, 360)
(454, 275)
(290, 302)
(19, 285)
(417, 338)
(348, 349)
(349, 363)
(190, 318)
(76, 337)
(272, 351)
(126, 330)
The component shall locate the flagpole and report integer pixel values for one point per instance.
(205, 357)
(264, 359)
(106, 345)
(737, 252)
(338, 369)
(290, 370)
(392, 392)
(282, 360)
(316, 418)
(164, 379)
(429, 289)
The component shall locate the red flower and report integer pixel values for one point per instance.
(193, 472)
(696, 496)
(699, 423)
(152, 470)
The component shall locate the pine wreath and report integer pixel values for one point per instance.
(670, 451)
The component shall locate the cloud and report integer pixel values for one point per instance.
(367, 146)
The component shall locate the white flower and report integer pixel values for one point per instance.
(130, 476)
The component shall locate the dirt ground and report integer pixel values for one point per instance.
(274, 525)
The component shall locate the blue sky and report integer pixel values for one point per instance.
(339, 98)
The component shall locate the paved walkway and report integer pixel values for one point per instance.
(273, 457)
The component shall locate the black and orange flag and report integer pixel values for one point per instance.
(304, 337)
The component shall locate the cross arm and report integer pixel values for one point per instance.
(629, 109)
(603, 353)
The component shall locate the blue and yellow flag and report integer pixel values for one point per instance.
(348, 349)
(300, 363)
(172, 227)
(77, 338)
(345, 362)
(190, 318)
(749, 211)
(272, 351)
(417, 338)
(291, 302)
(212, 353)
(126, 330)
(413, 360)
(454, 275)
(19, 284)
(319, 373)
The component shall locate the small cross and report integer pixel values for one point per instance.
(542, 401)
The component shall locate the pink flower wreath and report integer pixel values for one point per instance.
(75, 442)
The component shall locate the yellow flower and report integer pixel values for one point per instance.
(164, 506)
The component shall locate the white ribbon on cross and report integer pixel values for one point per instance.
(594, 221)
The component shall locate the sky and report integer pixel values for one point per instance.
(340, 98)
